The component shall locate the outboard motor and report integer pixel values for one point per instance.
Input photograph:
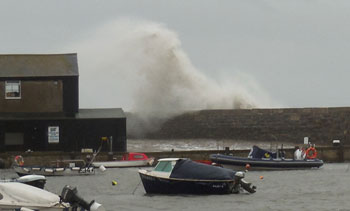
(70, 195)
(241, 183)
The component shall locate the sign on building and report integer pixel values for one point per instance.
(54, 134)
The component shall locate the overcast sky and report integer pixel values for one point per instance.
(296, 51)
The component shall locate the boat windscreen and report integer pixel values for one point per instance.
(257, 152)
(163, 166)
(188, 169)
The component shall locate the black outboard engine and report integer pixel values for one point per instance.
(241, 183)
(70, 195)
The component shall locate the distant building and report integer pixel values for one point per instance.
(39, 107)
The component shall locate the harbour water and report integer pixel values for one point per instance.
(327, 188)
(145, 145)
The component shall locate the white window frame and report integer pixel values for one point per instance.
(8, 91)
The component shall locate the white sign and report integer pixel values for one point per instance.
(53, 135)
(306, 140)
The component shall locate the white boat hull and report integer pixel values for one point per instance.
(122, 163)
(17, 195)
(21, 171)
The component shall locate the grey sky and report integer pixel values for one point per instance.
(297, 51)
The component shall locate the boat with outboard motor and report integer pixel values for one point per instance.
(260, 159)
(18, 196)
(131, 159)
(33, 180)
(184, 176)
(61, 168)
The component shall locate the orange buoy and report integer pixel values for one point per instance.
(261, 177)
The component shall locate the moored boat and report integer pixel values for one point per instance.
(33, 180)
(53, 171)
(61, 168)
(18, 196)
(131, 159)
(259, 159)
(183, 176)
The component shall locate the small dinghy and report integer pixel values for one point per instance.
(33, 180)
(18, 196)
(62, 168)
(131, 159)
(260, 159)
(183, 176)
(53, 171)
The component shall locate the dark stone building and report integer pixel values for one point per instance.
(39, 107)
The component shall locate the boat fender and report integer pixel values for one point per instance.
(36, 169)
(19, 160)
(75, 168)
(311, 153)
(59, 169)
(26, 169)
(49, 170)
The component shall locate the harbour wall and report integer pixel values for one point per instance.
(329, 154)
(320, 125)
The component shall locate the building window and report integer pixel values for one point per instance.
(14, 139)
(13, 89)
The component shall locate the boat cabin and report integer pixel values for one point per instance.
(164, 167)
(134, 156)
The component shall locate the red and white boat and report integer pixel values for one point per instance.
(131, 159)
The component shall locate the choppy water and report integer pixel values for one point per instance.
(327, 188)
(140, 145)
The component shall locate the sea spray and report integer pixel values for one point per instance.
(141, 67)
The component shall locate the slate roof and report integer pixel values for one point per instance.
(38, 65)
(98, 113)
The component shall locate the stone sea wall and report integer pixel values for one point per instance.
(328, 154)
(321, 125)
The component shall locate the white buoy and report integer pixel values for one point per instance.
(102, 168)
